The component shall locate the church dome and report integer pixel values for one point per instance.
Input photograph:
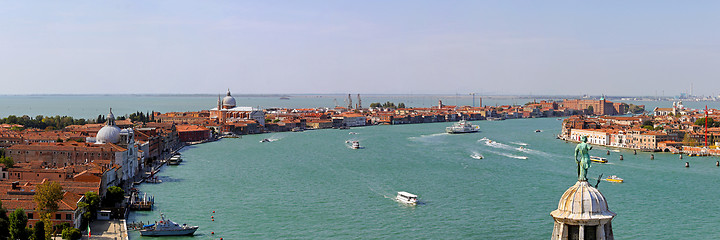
(108, 134)
(228, 101)
(582, 202)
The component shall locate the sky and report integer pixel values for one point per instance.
(509, 47)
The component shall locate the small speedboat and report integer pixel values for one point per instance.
(615, 179)
(538, 130)
(355, 145)
(477, 156)
(598, 159)
(406, 198)
(265, 140)
(352, 133)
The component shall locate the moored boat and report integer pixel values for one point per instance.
(165, 227)
(174, 160)
(462, 127)
(406, 198)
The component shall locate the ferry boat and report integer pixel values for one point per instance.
(165, 227)
(406, 198)
(614, 178)
(462, 127)
(598, 159)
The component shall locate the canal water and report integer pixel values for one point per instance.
(311, 185)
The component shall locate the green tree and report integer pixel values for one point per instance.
(114, 195)
(39, 232)
(46, 198)
(375, 105)
(8, 161)
(388, 104)
(91, 204)
(71, 233)
(401, 105)
(590, 110)
(710, 122)
(18, 219)
(4, 223)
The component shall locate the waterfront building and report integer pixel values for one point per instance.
(582, 214)
(599, 107)
(193, 133)
(227, 112)
(595, 136)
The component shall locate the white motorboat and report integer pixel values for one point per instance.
(462, 127)
(174, 160)
(355, 145)
(166, 227)
(406, 198)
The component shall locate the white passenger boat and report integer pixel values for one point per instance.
(462, 127)
(166, 227)
(406, 198)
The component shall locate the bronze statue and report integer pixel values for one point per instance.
(582, 150)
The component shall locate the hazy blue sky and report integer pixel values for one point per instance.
(403, 47)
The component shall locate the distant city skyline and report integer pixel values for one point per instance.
(638, 48)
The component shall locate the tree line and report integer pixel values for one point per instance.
(387, 104)
(59, 122)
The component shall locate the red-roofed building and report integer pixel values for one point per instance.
(193, 133)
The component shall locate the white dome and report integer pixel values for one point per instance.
(584, 203)
(108, 134)
(228, 101)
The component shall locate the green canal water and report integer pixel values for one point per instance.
(311, 185)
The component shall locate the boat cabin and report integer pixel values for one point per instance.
(406, 197)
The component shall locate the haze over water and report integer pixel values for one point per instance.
(90, 106)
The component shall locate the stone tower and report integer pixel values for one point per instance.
(582, 214)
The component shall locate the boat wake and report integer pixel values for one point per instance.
(508, 155)
(428, 138)
(495, 144)
(276, 137)
(519, 143)
(476, 155)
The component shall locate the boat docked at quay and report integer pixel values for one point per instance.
(462, 127)
(165, 227)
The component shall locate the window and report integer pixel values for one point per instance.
(30, 216)
(57, 216)
(68, 216)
